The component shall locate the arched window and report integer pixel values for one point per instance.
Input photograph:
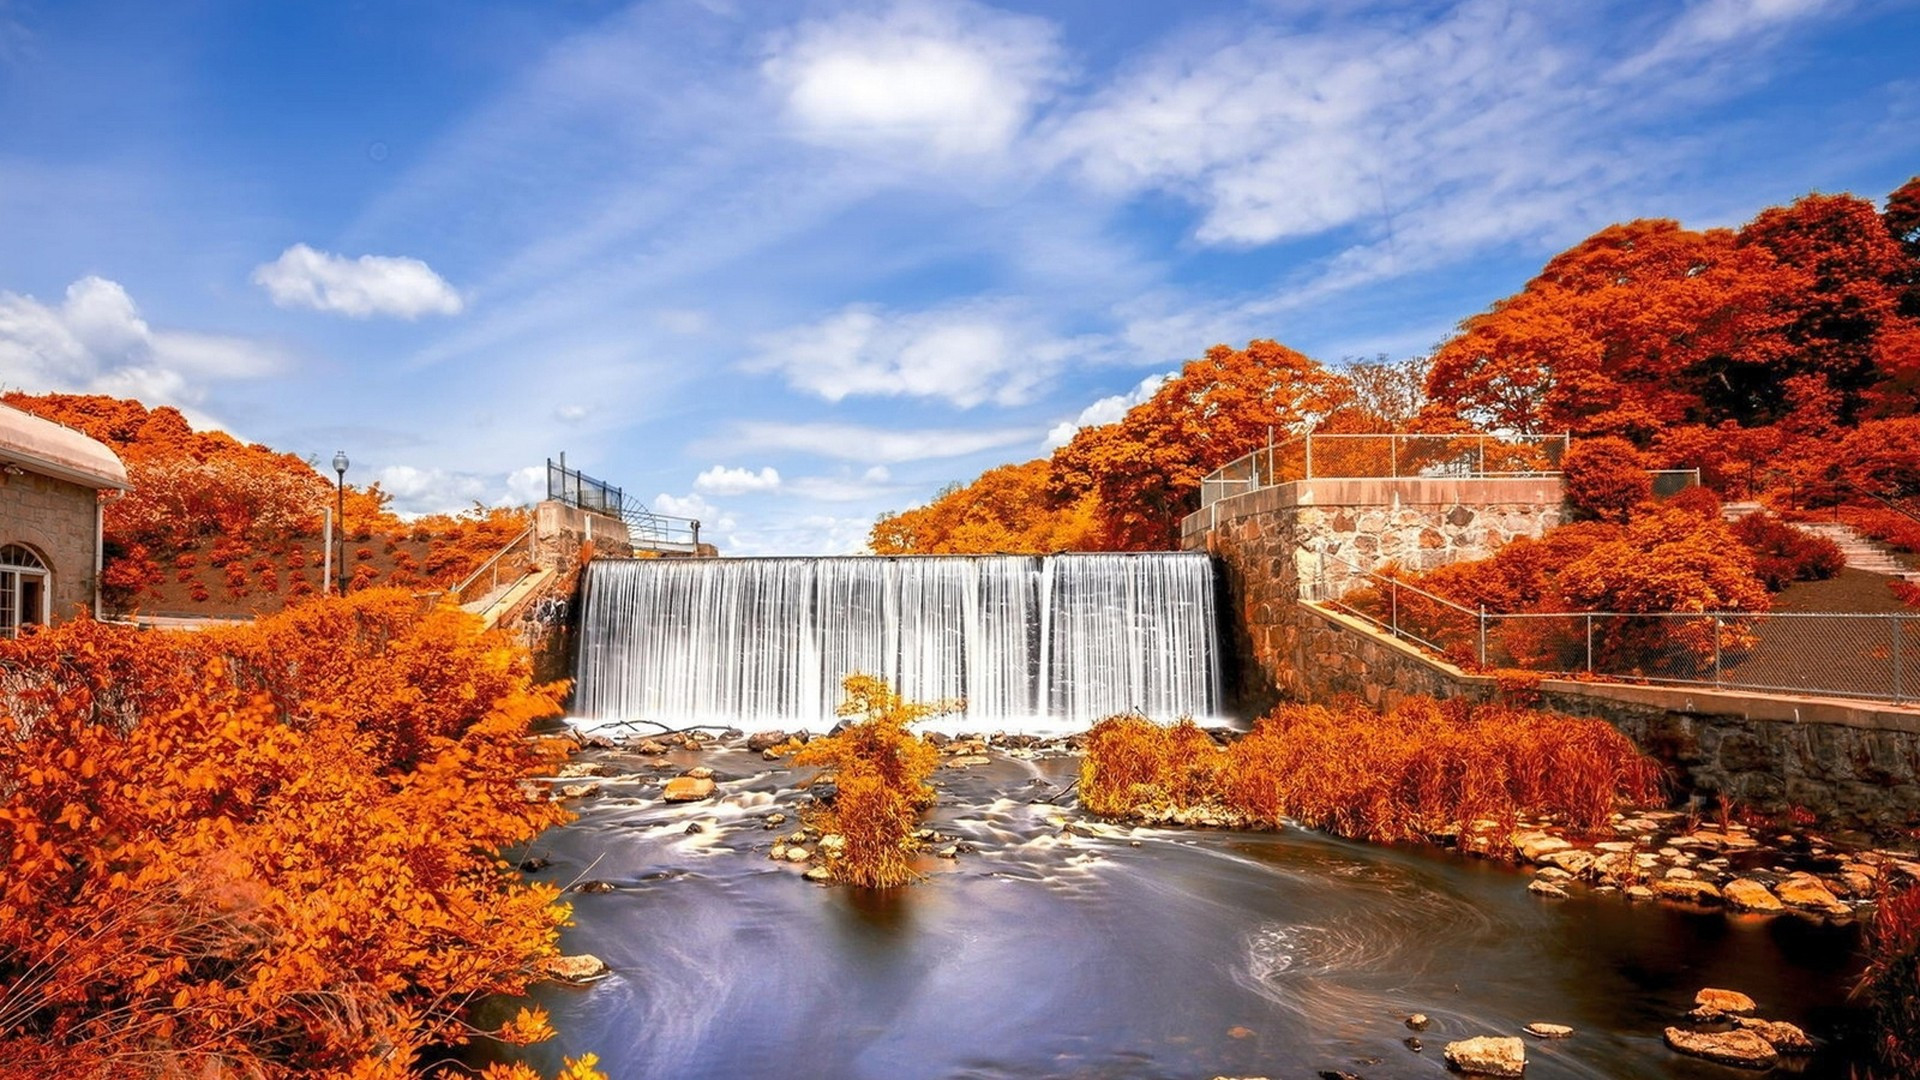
(25, 586)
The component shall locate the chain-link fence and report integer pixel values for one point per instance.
(1873, 656)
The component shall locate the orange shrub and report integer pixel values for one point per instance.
(266, 850)
(1606, 479)
(1424, 768)
(1132, 763)
(1783, 554)
(880, 769)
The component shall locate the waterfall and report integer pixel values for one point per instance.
(1019, 639)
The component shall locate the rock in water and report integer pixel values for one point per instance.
(761, 741)
(1418, 1021)
(1782, 1036)
(1542, 887)
(687, 789)
(1488, 1055)
(1711, 1003)
(1805, 890)
(1738, 1047)
(1540, 1030)
(1746, 894)
(584, 967)
(700, 772)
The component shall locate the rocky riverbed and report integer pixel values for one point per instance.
(1045, 942)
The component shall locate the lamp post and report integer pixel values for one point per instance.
(340, 516)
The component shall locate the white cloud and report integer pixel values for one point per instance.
(877, 475)
(368, 285)
(693, 506)
(952, 79)
(526, 486)
(842, 488)
(854, 442)
(722, 480)
(96, 341)
(809, 534)
(968, 354)
(1105, 411)
(431, 490)
(571, 413)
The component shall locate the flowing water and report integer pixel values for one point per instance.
(1027, 641)
(1088, 951)
(1048, 953)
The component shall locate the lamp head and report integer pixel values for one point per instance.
(340, 462)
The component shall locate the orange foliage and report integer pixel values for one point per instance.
(1605, 479)
(880, 770)
(1007, 509)
(196, 489)
(269, 849)
(1423, 769)
(1891, 984)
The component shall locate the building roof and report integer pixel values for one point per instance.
(47, 448)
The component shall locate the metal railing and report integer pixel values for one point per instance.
(1386, 456)
(1874, 656)
(644, 527)
(510, 563)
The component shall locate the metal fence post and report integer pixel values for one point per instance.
(1895, 620)
(1308, 438)
(1393, 605)
(1483, 635)
(1716, 650)
(1589, 642)
(1393, 454)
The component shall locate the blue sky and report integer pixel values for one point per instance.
(783, 266)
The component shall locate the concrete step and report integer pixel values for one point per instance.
(1861, 553)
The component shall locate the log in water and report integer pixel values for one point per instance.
(1061, 638)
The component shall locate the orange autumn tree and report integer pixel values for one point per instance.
(270, 850)
(1146, 469)
(1008, 509)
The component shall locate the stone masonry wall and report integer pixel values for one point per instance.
(55, 519)
(1279, 544)
(1853, 763)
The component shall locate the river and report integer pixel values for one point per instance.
(1126, 953)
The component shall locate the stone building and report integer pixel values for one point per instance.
(52, 480)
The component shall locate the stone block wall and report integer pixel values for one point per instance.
(1852, 763)
(56, 519)
(1278, 545)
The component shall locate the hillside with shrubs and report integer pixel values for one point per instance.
(217, 526)
(1781, 359)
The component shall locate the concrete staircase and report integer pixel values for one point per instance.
(1861, 552)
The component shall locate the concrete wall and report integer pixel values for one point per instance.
(1854, 763)
(560, 529)
(56, 519)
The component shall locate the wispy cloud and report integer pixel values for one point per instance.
(724, 480)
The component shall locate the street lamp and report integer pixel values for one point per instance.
(340, 514)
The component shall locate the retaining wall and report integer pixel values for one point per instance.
(1853, 763)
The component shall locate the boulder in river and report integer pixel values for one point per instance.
(1782, 1036)
(580, 968)
(1806, 891)
(1746, 894)
(765, 740)
(1713, 1003)
(700, 772)
(1738, 1047)
(1541, 1030)
(1418, 1021)
(1488, 1055)
(1689, 890)
(687, 789)
(1542, 887)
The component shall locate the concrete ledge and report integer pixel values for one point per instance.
(1744, 704)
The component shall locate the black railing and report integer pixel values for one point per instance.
(646, 528)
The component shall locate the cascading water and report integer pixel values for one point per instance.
(1061, 638)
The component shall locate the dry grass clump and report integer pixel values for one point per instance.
(1891, 984)
(1423, 769)
(881, 771)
